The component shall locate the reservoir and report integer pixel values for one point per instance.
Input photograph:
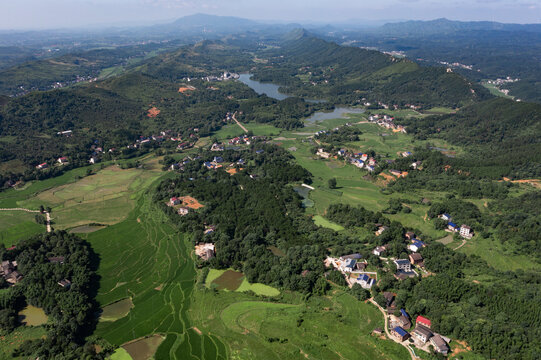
(269, 89)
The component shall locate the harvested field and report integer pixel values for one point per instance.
(153, 112)
(229, 280)
(143, 349)
(86, 229)
(185, 88)
(190, 202)
(32, 316)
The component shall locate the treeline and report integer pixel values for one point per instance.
(71, 308)
(459, 176)
(502, 136)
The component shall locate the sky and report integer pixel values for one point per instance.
(46, 14)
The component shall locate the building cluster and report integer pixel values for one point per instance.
(360, 160)
(353, 267)
(422, 335)
(205, 251)
(464, 230)
(387, 122)
(210, 78)
(457, 65)
(8, 270)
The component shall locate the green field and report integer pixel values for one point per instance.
(17, 225)
(232, 130)
(321, 221)
(14, 339)
(259, 289)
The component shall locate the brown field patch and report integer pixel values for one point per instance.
(153, 112)
(190, 202)
(185, 88)
(229, 280)
(534, 182)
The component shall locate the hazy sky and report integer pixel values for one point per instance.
(21, 14)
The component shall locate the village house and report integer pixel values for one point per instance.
(416, 259)
(365, 281)
(217, 147)
(348, 265)
(390, 302)
(42, 166)
(323, 154)
(379, 250)
(174, 201)
(370, 168)
(62, 160)
(439, 344)
(205, 251)
(416, 245)
(410, 235)
(421, 320)
(445, 217)
(465, 231)
(9, 273)
(355, 256)
(400, 333)
(406, 153)
(93, 160)
(415, 165)
(452, 227)
(66, 284)
(404, 322)
(65, 133)
(380, 230)
(183, 211)
(402, 265)
(422, 333)
(360, 266)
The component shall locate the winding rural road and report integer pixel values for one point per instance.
(47, 215)
(386, 317)
(238, 123)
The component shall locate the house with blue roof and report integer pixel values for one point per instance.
(365, 281)
(446, 217)
(260, 151)
(404, 313)
(208, 165)
(400, 333)
(218, 159)
(453, 227)
(416, 245)
(348, 265)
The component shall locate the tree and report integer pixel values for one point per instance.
(332, 183)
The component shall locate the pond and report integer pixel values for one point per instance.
(32, 316)
(339, 112)
(269, 89)
(229, 280)
(303, 192)
(116, 310)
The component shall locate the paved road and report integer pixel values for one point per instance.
(238, 123)
(47, 215)
(386, 317)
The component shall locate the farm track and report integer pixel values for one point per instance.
(47, 215)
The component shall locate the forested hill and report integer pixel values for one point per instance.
(505, 135)
(311, 67)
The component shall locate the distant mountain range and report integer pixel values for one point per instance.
(440, 26)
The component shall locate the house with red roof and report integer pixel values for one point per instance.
(421, 320)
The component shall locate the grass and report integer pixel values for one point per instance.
(14, 339)
(120, 354)
(232, 130)
(17, 225)
(259, 289)
(497, 255)
(321, 221)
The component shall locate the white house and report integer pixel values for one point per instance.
(465, 231)
(403, 265)
(378, 250)
(323, 154)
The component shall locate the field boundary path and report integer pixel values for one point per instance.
(461, 245)
(47, 215)
(238, 123)
(386, 317)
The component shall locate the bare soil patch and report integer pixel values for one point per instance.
(190, 202)
(229, 280)
(153, 112)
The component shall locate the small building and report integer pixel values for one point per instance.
(406, 153)
(416, 259)
(381, 229)
(465, 231)
(410, 235)
(404, 322)
(404, 313)
(452, 226)
(446, 217)
(400, 333)
(378, 331)
(42, 166)
(379, 250)
(396, 172)
(321, 153)
(183, 211)
(416, 245)
(439, 344)
(62, 160)
(402, 265)
(66, 284)
(348, 265)
(93, 160)
(218, 159)
(422, 333)
(389, 300)
(174, 201)
(355, 256)
(361, 266)
(421, 320)
(365, 281)
(56, 260)
(370, 168)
